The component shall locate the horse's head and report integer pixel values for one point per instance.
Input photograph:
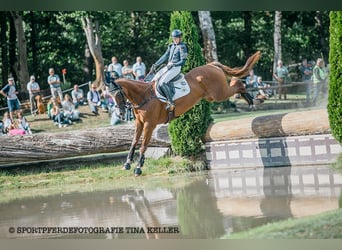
(120, 101)
(240, 88)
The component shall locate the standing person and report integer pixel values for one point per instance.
(139, 69)
(306, 72)
(176, 55)
(319, 80)
(127, 71)
(115, 66)
(77, 95)
(33, 89)
(281, 75)
(55, 84)
(10, 92)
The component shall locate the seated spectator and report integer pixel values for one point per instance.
(58, 116)
(77, 95)
(264, 91)
(94, 100)
(251, 84)
(107, 100)
(7, 123)
(23, 124)
(49, 106)
(69, 109)
(2, 128)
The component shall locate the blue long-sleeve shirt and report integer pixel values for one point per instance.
(175, 53)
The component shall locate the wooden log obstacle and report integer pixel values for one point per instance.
(296, 138)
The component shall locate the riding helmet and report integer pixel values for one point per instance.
(176, 33)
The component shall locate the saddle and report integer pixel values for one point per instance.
(179, 87)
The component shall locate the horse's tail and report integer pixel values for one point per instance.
(239, 71)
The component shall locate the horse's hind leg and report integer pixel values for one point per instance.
(137, 134)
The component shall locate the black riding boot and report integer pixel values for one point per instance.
(170, 104)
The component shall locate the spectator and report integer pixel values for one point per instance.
(10, 92)
(49, 106)
(94, 100)
(115, 66)
(107, 99)
(306, 73)
(7, 123)
(139, 69)
(251, 84)
(23, 123)
(2, 128)
(263, 90)
(281, 76)
(55, 84)
(69, 109)
(77, 95)
(33, 89)
(58, 116)
(127, 71)
(319, 80)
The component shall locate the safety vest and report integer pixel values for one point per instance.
(321, 74)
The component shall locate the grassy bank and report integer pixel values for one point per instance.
(323, 226)
(19, 183)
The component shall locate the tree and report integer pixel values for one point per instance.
(335, 86)
(277, 39)
(20, 66)
(91, 30)
(186, 132)
(208, 33)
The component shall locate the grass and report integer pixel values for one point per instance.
(19, 183)
(327, 225)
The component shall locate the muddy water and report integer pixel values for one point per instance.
(207, 205)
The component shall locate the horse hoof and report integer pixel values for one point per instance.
(137, 172)
(127, 166)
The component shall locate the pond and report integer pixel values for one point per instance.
(202, 205)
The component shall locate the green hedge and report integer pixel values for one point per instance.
(335, 79)
(187, 131)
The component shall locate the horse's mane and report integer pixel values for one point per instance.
(238, 71)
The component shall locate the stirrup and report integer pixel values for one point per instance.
(170, 106)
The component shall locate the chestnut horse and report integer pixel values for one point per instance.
(208, 81)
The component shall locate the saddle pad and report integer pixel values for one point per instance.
(181, 86)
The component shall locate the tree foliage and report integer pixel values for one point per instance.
(186, 131)
(335, 86)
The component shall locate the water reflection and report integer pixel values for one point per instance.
(208, 205)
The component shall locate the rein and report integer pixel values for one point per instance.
(152, 96)
(139, 105)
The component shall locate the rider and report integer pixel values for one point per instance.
(176, 55)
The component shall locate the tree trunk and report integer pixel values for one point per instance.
(321, 35)
(290, 124)
(94, 43)
(277, 39)
(209, 41)
(4, 48)
(48, 146)
(247, 43)
(88, 65)
(21, 67)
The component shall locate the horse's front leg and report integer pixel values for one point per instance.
(137, 134)
(148, 129)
